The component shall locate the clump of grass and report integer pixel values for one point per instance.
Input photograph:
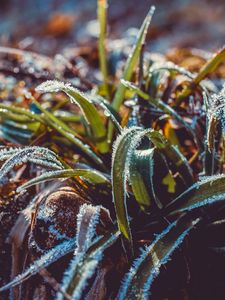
(123, 211)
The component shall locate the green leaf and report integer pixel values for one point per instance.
(162, 106)
(108, 110)
(91, 114)
(102, 18)
(122, 154)
(133, 59)
(172, 153)
(92, 175)
(146, 268)
(210, 66)
(21, 113)
(19, 156)
(84, 265)
(130, 66)
(65, 131)
(203, 193)
(141, 173)
(141, 166)
(124, 147)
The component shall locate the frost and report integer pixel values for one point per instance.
(133, 139)
(107, 112)
(170, 66)
(88, 174)
(88, 269)
(45, 260)
(82, 267)
(143, 292)
(216, 109)
(162, 262)
(137, 263)
(18, 156)
(205, 179)
(59, 236)
(87, 220)
(46, 163)
(123, 149)
(205, 202)
(51, 86)
(42, 178)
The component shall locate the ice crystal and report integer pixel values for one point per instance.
(87, 220)
(44, 261)
(83, 265)
(149, 250)
(170, 66)
(137, 263)
(216, 110)
(18, 156)
(205, 202)
(50, 86)
(56, 86)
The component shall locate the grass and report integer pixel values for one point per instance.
(121, 196)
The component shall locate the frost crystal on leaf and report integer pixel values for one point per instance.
(150, 251)
(87, 220)
(216, 114)
(51, 86)
(19, 156)
(45, 260)
(170, 66)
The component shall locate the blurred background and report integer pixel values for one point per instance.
(49, 26)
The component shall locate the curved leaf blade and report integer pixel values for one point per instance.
(162, 106)
(203, 193)
(92, 175)
(130, 66)
(102, 19)
(84, 102)
(65, 131)
(142, 170)
(122, 153)
(133, 59)
(44, 261)
(146, 268)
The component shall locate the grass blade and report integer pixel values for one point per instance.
(47, 259)
(89, 250)
(124, 147)
(26, 154)
(130, 66)
(206, 69)
(84, 265)
(141, 177)
(65, 131)
(122, 154)
(91, 114)
(21, 113)
(133, 59)
(146, 268)
(173, 154)
(162, 106)
(210, 66)
(203, 193)
(102, 18)
(92, 175)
